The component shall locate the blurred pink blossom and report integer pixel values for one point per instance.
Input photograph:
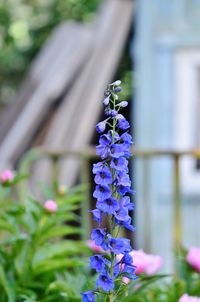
(95, 248)
(145, 263)
(193, 258)
(186, 298)
(6, 175)
(126, 280)
(50, 206)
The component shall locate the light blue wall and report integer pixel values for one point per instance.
(162, 27)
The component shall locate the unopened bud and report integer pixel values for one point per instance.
(106, 100)
(116, 83)
(118, 89)
(123, 104)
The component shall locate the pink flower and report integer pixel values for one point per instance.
(95, 248)
(126, 280)
(186, 298)
(6, 176)
(145, 263)
(193, 258)
(50, 206)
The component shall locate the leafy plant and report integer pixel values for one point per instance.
(38, 250)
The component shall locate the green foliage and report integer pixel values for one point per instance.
(24, 26)
(165, 288)
(40, 260)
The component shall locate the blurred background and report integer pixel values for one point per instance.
(56, 59)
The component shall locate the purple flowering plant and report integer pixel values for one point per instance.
(113, 206)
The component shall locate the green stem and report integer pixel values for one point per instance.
(111, 295)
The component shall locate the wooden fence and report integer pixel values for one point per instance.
(88, 155)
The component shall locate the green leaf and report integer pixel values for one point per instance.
(56, 264)
(63, 248)
(57, 231)
(6, 226)
(7, 286)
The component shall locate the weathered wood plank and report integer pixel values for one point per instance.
(35, 76)
(63, 64)
(114, 26)
(75, 120)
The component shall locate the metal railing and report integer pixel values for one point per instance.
(88, 154)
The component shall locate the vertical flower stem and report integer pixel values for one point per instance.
(111, 296)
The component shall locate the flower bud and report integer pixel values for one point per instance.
(116, 83)
(106, 100)
(6, 176)
(50, 206)
(118, 89)
(111, 113)
(123, 104)
(101, 126)
(193, 258)
(120, 116)
(106, 93)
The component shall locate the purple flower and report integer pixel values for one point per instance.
(126, 139)
(123, 179)
(98, 262)
(126, 223)
(105, 282)
(102, 192)
(123, 104)
(123, 124)
(100, 127)
(125, 202)
(119, 245)
(109, 206)
(113, 203)
(122, 214)
(129, 271)
(122, 190)
(116, 83)
(110, 113)
(103, 176)
(106, 100)
(88, 296)
(103, 151)
(117, 268)
(119, 164)
(127, 259)
(97, 215)
(97, 167)
(116, 151)
(98, 236)
(117, 89)
(105, 139)
(114, 135)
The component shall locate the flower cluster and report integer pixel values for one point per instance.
(113, 205)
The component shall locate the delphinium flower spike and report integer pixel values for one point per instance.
(113, 187)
